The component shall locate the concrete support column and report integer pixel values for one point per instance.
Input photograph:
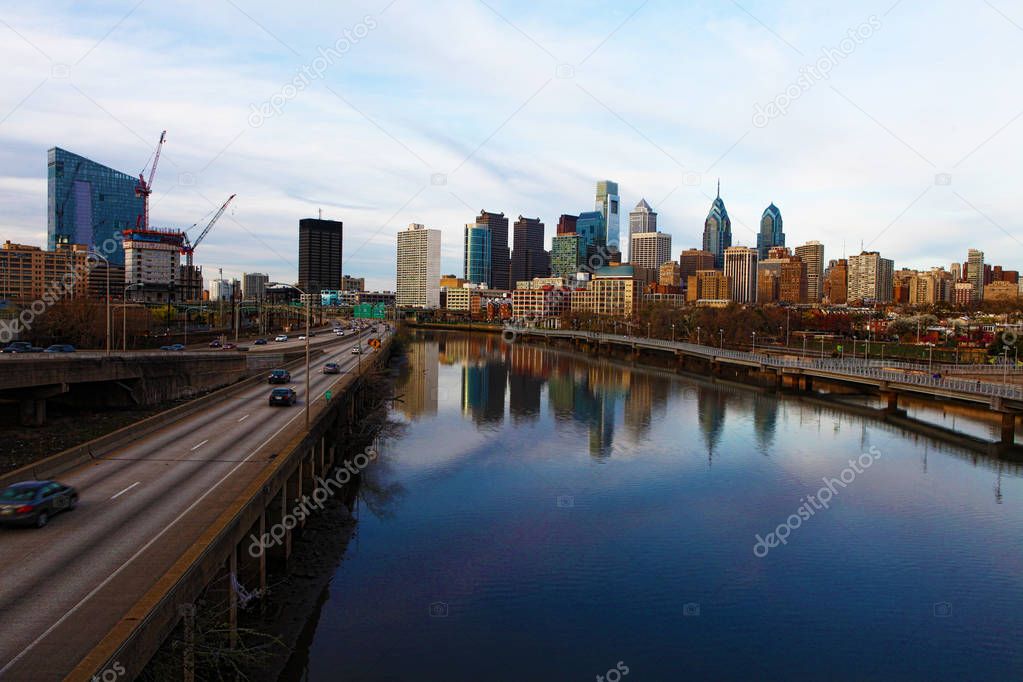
(1008, 428)
(891, 399)
(33, 412)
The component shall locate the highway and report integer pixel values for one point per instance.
(64, 586)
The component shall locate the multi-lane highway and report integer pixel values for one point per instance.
(64, 586)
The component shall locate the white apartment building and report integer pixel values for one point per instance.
(418, 267)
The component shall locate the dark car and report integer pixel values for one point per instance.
(214, 344)
(260, 342)
(283, 396)
(22, 347)
(175, 346)
(34, 503)
(229, 346)
(332, 368)
(61, 348)
(279, 376)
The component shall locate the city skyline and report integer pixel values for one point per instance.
(874, 159)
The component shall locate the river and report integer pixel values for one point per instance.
(541, 515)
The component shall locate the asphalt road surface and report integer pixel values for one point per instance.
(64, 586)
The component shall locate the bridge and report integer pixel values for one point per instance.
(167, 507)
(889, 378)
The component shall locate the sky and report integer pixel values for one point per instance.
(895, 125)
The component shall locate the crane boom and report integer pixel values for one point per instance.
(145, 187)
(190, 247)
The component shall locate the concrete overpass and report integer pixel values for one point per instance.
(164, 507)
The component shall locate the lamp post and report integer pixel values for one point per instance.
(803, 356)
(930, 355)
(754, 343)
(124, 316)
(648, 330)
(673, 332)
(697, 336)
(721, 342)
(308, 312)
(107, 261)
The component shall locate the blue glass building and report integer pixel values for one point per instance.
(717, 231)
(88, 203)
(478, 251)
(771, 233)
(592, 227)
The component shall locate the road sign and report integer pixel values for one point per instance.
(328, 395)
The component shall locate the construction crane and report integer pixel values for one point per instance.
(145, 187)
(189, 247)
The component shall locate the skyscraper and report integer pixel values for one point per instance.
(650, 249)
(812, 253)
(836, 282)
(528, 259)
(717, 230)
(692, 260)
(319, 255)
(975, 273)
(593, 230)
(500, 257)
(871, 278)
(771, 233)
(741, 269)
(607, 203)
(418, 267)
(566, 224)
(642, 219)
(567, 254)
(478, 254)
(254, 285)
(88, 203)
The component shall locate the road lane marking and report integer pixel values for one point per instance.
(10, 664)
(243, 419)
(126, 490)
(196, 447)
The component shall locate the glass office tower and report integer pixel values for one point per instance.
(478, 250)
(88, 203)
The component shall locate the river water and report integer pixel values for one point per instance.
(541, 515)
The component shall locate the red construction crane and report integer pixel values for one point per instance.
(145, 187)
(189, 248)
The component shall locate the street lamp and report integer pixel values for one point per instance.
(721, 342)
(648, 330)
(124, 316)
(673, 332)
(308, 311)
(697, 336)
(107, 261)
(754, 342)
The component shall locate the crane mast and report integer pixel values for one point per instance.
(145, 187)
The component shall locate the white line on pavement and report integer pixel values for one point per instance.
(126, 490)
(196, 447)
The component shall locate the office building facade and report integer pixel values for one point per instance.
(89, 203)
(741, 270)
(418, 267)
(319, 255)
(771, 232)
(975, 273)
(871, 278)
(500, 255)
(650, 249)
(812, 253)
(477, 254)
(608, 205)
(528, 257)
(717, 230)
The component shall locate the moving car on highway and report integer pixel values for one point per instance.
(283, 396)
(35, 502)
(61, 348)
(259, 342)
(332, 368)
(22, 347)
(357, 350)
(279, 376)
(214, 343)
(281, 337)
(174, 346)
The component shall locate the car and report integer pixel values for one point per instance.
(312, 334)
(279, 376)
(302, 337)
(332, 368)
(283, 396)
(357, 350)
(34, 503)
(60, 348)
(339, 332)
(22, 347)
(259, 342)
(215, 343)
(174, 347)
(281, 337)
(229, 346)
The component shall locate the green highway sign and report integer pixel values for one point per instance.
(328, 395)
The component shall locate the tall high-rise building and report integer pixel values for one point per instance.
(593, 230)
(566, 223)
(975, 273)
(89, 203)
(957, 270)
(836, 282)
(771, 233)
(650, 249)
(812, 253)
(478, 255)
(567, 254)
(418, 267)
(741, 269)
(254, 286)
(871, 278)
(319, 255)
(641, 219)
(500, 256)
(608, 205)
(717, 230)
(528, 259)
(152, 260)
(692, 260)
